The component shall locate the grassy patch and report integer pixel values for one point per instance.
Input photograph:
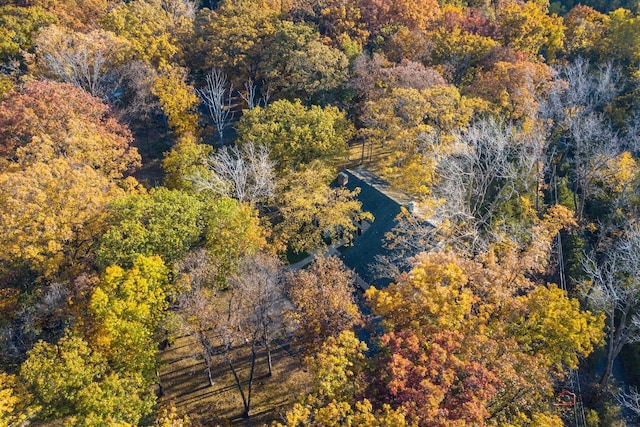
(185, 383)
(371, 158)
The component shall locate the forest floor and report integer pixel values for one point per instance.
(185, 384)
(368, 156)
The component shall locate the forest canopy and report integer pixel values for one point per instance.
(319, 212)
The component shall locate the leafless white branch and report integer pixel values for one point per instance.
(244, 174)
(218, 99)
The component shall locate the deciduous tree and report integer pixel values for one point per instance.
(78, 15)
(163, 222)
(216, 95)
(414, 14)
(461, 39)
(514, 88)
(186, 159)
(260, 293)
(323, 302)
(152, 31)
(52, 215)
(417, 125)
(454, 349)
(341, 21)
(121, 399)
(528, 28)
(235, 35)
(178, 101)
(199, 303)
(613, 288)
(493, 164)
(19, 26)
(589, 140)
(233, 231)
(73, 382)
(621, 37)
(374, 77)
(312, 211)
(584, 30)
(297, 64)
(297, 135)
(338, 383)
(57, 373)
(39, 127)
(90, 61)
(15, 402)
(244, 174)
(230, 322)
(128, 306)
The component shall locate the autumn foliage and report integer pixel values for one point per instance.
(460, 339)
(47, 120)
(168, 173)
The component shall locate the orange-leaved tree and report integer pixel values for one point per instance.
(467, 343)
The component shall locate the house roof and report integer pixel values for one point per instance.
(376, 197)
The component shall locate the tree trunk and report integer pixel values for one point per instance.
(606, 375)
(269, 364)
(265, 337)
(209, 373)
(245, 402)
(160, 387)
(614, 348)
(247, 408)
(206, 353)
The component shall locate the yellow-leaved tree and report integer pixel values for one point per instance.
(414, 127)
(52, 215)
(178, 101)
(63, 163)
(477, 341)
(128, 305)
(313, 212)
(338, 380)
(16, 403)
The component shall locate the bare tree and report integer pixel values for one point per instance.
(250, 95)
(491, 163)
(614, 288)
(46, 317)
(211, 314)
(629, 400)
(586, 138)
(223, 322)
(218, 99)
(591, 145)
(579, 89)
(88, 60)
(250, 317)
(237, 329)
(323, 302)
(234, 330)
(259, 288)
(199, 305)
(136, 100)
(180, 8)
(244, 174)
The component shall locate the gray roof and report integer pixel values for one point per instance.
(384, 204)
